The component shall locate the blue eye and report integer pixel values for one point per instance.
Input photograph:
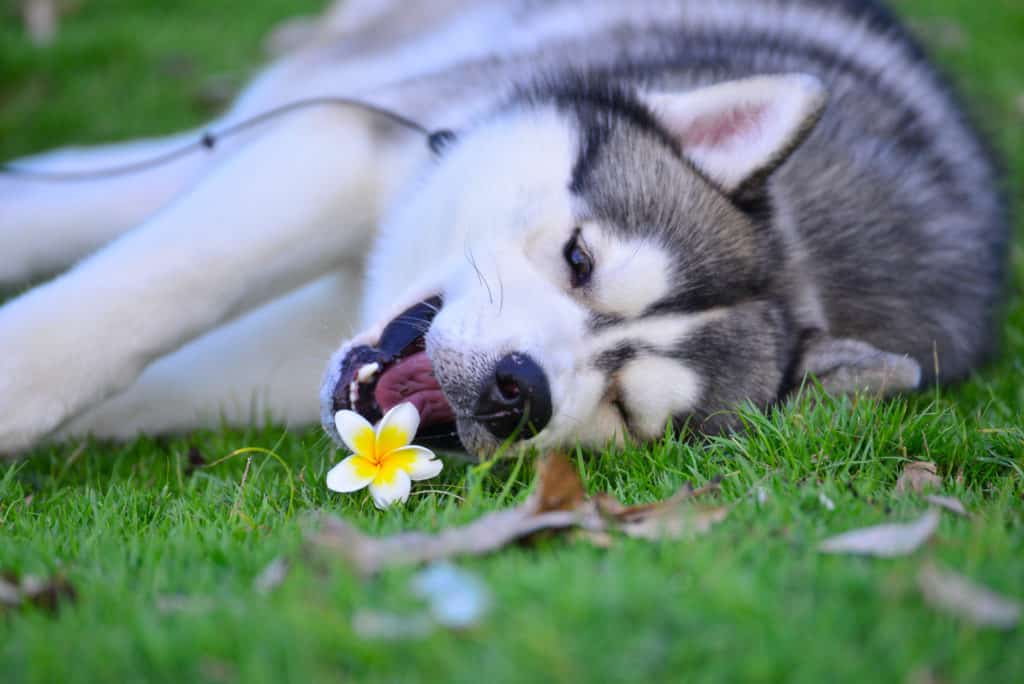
(581, 264)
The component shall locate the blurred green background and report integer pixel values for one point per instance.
(164, 558)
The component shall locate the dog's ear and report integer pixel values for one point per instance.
(738, 132)
(845, 366)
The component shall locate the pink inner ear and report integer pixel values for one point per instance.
(716, 129)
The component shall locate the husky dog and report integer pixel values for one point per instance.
(645, 213)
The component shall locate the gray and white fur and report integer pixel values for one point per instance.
(761, 190)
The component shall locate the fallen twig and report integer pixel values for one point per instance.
(559, 504)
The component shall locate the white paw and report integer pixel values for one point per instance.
(30, 396)
(28, 408)
(50, 367)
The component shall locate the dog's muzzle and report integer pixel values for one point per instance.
(512, 402)
(516, 400)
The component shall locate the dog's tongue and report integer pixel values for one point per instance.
(412, 379)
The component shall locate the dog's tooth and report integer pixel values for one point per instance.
(367, 372)
(353, 393)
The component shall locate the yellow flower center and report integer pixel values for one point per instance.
(380, 456)
(390, 438)
(395, 461)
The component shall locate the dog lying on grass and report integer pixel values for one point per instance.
(645, 213)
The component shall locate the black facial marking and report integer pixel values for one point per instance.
(593, 139)
(612, 360)
(603, 321)
(702, 297)
(598, 126)
(600, 104)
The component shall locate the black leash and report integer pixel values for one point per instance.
(436, 140)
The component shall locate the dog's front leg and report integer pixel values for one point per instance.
(47, 225)
(283, 210)
(267, 363)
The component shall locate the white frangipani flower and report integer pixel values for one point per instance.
(382, 459)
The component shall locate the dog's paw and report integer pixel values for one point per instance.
(24, 424)
(28, 409)
(44, 369)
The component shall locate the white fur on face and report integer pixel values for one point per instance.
(487, 229)
(657, 331)
(631, 274)
(655, 389)
(496, 191)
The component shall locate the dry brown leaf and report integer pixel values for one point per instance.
(46, 594)
(559, 504)
(379, 625)
(272, 576)
(41, 18)
(892, 539)
(10, 594)
(950, 503)
(957, 595)
(598, 538)
(673, 518)
(924, 675)
(918, 476)
(609, 506)
(217, 670)
(482, 536)
(169, 604)
(674, 523)
(559, 487)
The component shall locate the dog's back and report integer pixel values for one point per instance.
(891, 210)
(893, 207)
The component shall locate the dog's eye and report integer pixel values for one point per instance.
(581, 264)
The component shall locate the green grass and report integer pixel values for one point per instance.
(751, 600)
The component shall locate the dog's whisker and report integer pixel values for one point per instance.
(501, 293)
(479, 274)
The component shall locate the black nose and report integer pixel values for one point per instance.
(517, 397)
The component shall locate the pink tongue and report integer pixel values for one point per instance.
(412, 379)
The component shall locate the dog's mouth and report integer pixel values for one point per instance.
(375, 379)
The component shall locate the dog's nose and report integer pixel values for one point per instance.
(516, 398)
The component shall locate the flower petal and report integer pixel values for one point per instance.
(418, 461)
(356, 432)
(352, 474)
(397, 428)
(388, 490)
